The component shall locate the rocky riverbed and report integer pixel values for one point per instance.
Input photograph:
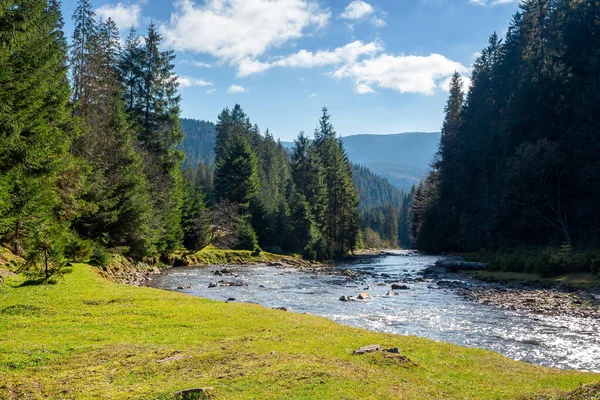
(547, 302)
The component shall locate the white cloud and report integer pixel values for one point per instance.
(247, 67)
(363, 89)
(233, 30)
(405, 74)
(349, 53)
(186, 82)
(484, 3)
(125, 15)
(310, 96)
(356, 10)
(211, 91)
(236, 89)
(201, 64)
(378, 22)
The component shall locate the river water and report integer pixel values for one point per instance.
(425, 310)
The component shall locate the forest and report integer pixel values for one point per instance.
(92, 161)
(518, 172)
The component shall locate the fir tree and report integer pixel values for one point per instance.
(35, 125)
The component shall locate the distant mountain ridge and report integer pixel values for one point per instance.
(403, 158)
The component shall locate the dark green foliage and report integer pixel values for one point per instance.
(546, 261)
(519, 158)
(246, 237)
(46, 248)
(35, 125)
(152, 104)
(236, 173)
(118, 211)
(100, 257)
(195, 219)
(341, 222)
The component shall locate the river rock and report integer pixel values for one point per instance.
(155, 271)
(391, 293)
(286, 309)
(450, 284)
(232, 283)
(213, 284)
(364, 296)
(434, 270)
(396, 286)
(347, 298)
(367, 349)
(229, 300)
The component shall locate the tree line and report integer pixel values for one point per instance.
(518, 159)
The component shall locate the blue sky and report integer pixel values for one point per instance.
(380, 66)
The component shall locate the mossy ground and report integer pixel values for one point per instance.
(211, 255)
(87, 338)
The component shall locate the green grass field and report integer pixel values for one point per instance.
(87, 338)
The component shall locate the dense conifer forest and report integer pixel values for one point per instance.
(518, 163)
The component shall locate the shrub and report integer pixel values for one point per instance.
(77, 249)
(246, 237)
(100, 256)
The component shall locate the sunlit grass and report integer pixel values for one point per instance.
(87, 338)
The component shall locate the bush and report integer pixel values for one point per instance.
(246, 237)
(100, 257)
(318, 250)
(78, 250)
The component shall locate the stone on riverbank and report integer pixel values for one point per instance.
(367, 349)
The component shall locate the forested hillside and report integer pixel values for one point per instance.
(518, 163)
(374, 190)
(198, 144)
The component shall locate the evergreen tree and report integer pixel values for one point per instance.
(341, 226)
(119, 209)
(195, 216)
(35, 125)
(153, 107)
(236, 173)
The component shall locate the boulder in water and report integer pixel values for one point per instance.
(364, 296)
(396, 286)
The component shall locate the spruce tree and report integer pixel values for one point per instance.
(35, 124)
(153, 107)
(119, 208)
(341, 226)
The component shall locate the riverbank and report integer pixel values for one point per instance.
(573, 281)
(87, 338)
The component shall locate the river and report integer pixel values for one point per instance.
(425, 310)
